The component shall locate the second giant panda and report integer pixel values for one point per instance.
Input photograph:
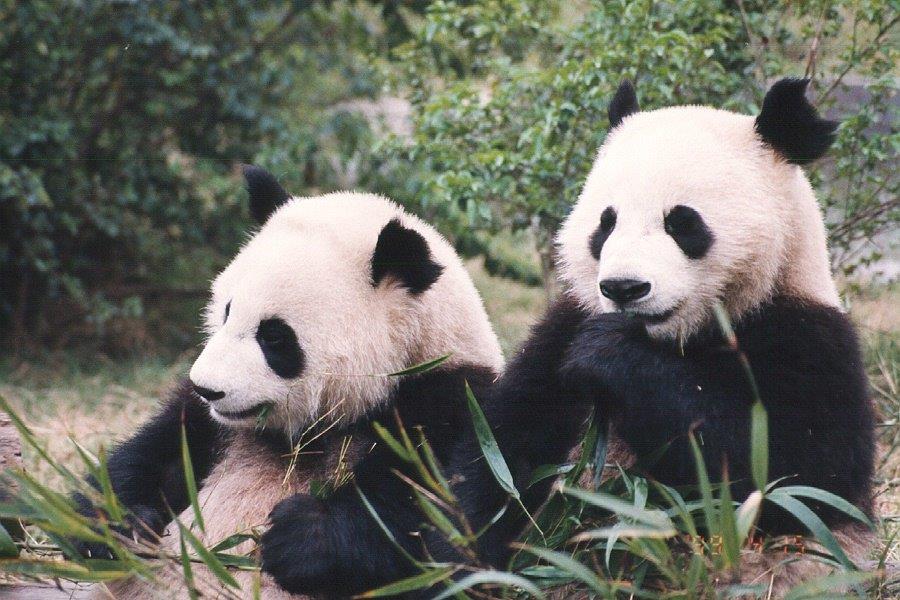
(686, 207)
(321, 305)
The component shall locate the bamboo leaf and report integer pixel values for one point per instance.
(709, 510)
(395, 446)
(813, 523)
(208, 558)
(546, 471)
(8, 547)
(190, 480)
(622, 530)
(187, 570)
(654, 518)
(747, 514)
(828, 498)
(489, 446)
(729, 529)
(410, 584)
(571, 566)
(759, 445)
(440, 520)
(109, 496)
(491, 577)
(231, 541)
(422, 367)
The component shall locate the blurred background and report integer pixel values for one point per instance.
(123, 125)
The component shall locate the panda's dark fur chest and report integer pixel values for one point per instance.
(806, 362)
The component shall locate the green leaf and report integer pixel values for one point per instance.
(546, 471)
(217, 568)
(729, 529)
(410, 584)
(437, 518)
(422, 367)
(571, 566)
(392, 442)
(187, 570)
(656, 519)
(190, 480)
(709, 509)
(759, 445)
(489, 446)
(828, 498)
(490, 577)
(100, 570)
(8, 548)
(231, 541)
(109, 496)
(747, 514)
(813, 523)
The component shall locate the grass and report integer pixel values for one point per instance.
(97, 401)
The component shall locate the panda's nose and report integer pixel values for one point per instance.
(624, 290)
(207, 394)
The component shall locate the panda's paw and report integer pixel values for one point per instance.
(143, 523)
(294, 550)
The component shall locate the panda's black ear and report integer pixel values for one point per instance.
(624, 103)
(790, 124)
(266, 194)
(403, 253)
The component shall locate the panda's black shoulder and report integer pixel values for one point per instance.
(788, 327)
(436, 400)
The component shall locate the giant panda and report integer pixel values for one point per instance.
(306, 324)
(686, 207)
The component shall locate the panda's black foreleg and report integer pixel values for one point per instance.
(334, 546)
(535, 420)
(146, 470)
(805, 361)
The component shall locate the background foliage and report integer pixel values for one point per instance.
(124, 124)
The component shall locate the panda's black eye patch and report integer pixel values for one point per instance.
(279, 345)
(227, 312)
(687, 228)
(598, 238)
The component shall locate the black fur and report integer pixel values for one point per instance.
(603, 231)
(333, 546)
(807, 363)
(266, 194)
(280, 347)
(535, 420)
(403, 253)
(146, 470)
(790, 124)
(624, 103)
(689, 231)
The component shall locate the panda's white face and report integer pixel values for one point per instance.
(683, 207)
(298, 329)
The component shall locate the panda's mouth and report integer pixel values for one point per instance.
(249, 413)
(653, 318)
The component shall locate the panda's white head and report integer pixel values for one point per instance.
(688, 205)
(331, 295)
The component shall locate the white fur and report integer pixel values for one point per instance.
(310, 265)
(768, 228)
